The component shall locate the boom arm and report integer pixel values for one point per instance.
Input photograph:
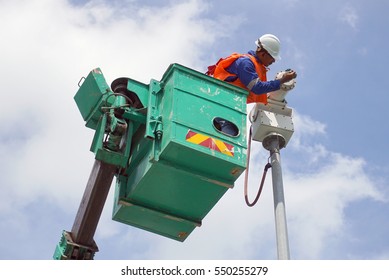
(109, 144)
(79, 244)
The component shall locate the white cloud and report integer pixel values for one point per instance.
(349, 15)
(317, 201)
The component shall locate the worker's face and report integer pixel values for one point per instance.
(265, 57)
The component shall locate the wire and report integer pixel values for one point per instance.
(267, 166)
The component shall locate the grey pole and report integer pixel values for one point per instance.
(274, 143)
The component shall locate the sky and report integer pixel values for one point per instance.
(335, 167)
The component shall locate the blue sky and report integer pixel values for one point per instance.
(335, 166)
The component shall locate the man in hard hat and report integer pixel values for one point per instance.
(249, 70)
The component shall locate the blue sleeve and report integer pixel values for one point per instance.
(245, 70)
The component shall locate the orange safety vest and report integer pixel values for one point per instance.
(219, 71)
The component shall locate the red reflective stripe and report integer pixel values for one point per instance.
(209, 142)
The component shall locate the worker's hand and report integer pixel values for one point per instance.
(289, 75)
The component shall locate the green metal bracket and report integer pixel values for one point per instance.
(67, 249)
(135, 115)
(104, 154)
(97, 142)
(153, 117)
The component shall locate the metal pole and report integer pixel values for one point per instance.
(274, 143)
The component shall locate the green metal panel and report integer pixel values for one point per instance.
(90, 97)
(184, 164)
(141, 90)
(192, 102)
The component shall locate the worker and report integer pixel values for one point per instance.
(249, 70)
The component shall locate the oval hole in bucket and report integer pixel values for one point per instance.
(226, 127)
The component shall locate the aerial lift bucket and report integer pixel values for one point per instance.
(186, 146)
(196, 154)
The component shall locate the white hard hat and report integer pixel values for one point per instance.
(271, 44)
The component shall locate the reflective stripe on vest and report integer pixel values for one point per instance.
(222, 74)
